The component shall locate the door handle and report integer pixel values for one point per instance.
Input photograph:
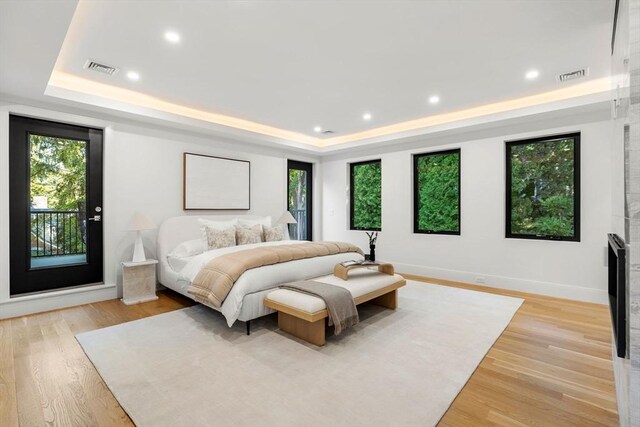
(96, 218)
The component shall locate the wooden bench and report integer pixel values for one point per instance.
(303, 316)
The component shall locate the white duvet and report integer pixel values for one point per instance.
(262, 278)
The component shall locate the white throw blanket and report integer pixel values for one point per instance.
(262, 278)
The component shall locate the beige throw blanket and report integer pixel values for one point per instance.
(340, 305)
(215, 280)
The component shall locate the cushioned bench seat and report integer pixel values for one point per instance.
(303, 315)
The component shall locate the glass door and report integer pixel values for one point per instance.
(299, 199)
(55, 205)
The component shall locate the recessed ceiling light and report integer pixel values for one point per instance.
(366, 116)
(172, 37)
(434, 99)
(317, 129)
(532, 74)
(132, 75)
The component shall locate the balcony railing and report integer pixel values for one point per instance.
(299, 231)
(57, 232)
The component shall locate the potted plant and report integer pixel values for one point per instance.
(373, 237)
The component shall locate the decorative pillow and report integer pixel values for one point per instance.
(217, 239)
(265, 221)
(188, 248)
(218, 225)
(248, 235)
(273, 234)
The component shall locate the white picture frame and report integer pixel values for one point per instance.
(215, 183)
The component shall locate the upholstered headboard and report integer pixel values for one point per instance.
(178, 229)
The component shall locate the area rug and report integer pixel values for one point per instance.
(395, 368)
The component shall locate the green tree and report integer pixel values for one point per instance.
(542, 188)
(438, 192)
(297, 189)
(58, 172)
(367, 196)
(297, 202)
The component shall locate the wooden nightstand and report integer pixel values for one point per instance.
(139, 281)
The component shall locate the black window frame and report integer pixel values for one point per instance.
(416, 192)
(351, 204)
(576, 187)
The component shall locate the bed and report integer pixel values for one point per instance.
(245, 300)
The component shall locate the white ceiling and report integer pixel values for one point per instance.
(31, 36)
(294, 65)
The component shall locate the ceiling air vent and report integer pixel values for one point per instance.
(101, 68)
(573, 75)
(328, 132)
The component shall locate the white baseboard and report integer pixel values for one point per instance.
(38, 303)
(558, 290)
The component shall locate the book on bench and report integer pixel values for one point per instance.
(358, 262)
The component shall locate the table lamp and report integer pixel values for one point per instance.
(287, 218)
(138, 223)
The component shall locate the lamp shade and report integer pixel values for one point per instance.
(287, 218)
(140, 222)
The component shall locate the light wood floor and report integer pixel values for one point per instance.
(551, 367)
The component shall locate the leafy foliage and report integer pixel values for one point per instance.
(543, 188)
(438, 192)
(297, 189)
(366, 193)
(58, 171)
(297, 203)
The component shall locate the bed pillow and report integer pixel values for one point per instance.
(220, 225)
(188, 248)
(273, 234)
(177, 263)
(217, 239)
(265, 221)
(246, 235)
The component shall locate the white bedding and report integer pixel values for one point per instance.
(178, 263)
(261, 278)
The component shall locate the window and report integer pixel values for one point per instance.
(543, 188)
(365, 199)
(436, 192)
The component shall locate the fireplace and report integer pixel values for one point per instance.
(617, 292)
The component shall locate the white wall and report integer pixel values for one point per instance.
(142, 172)
(482, 253)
